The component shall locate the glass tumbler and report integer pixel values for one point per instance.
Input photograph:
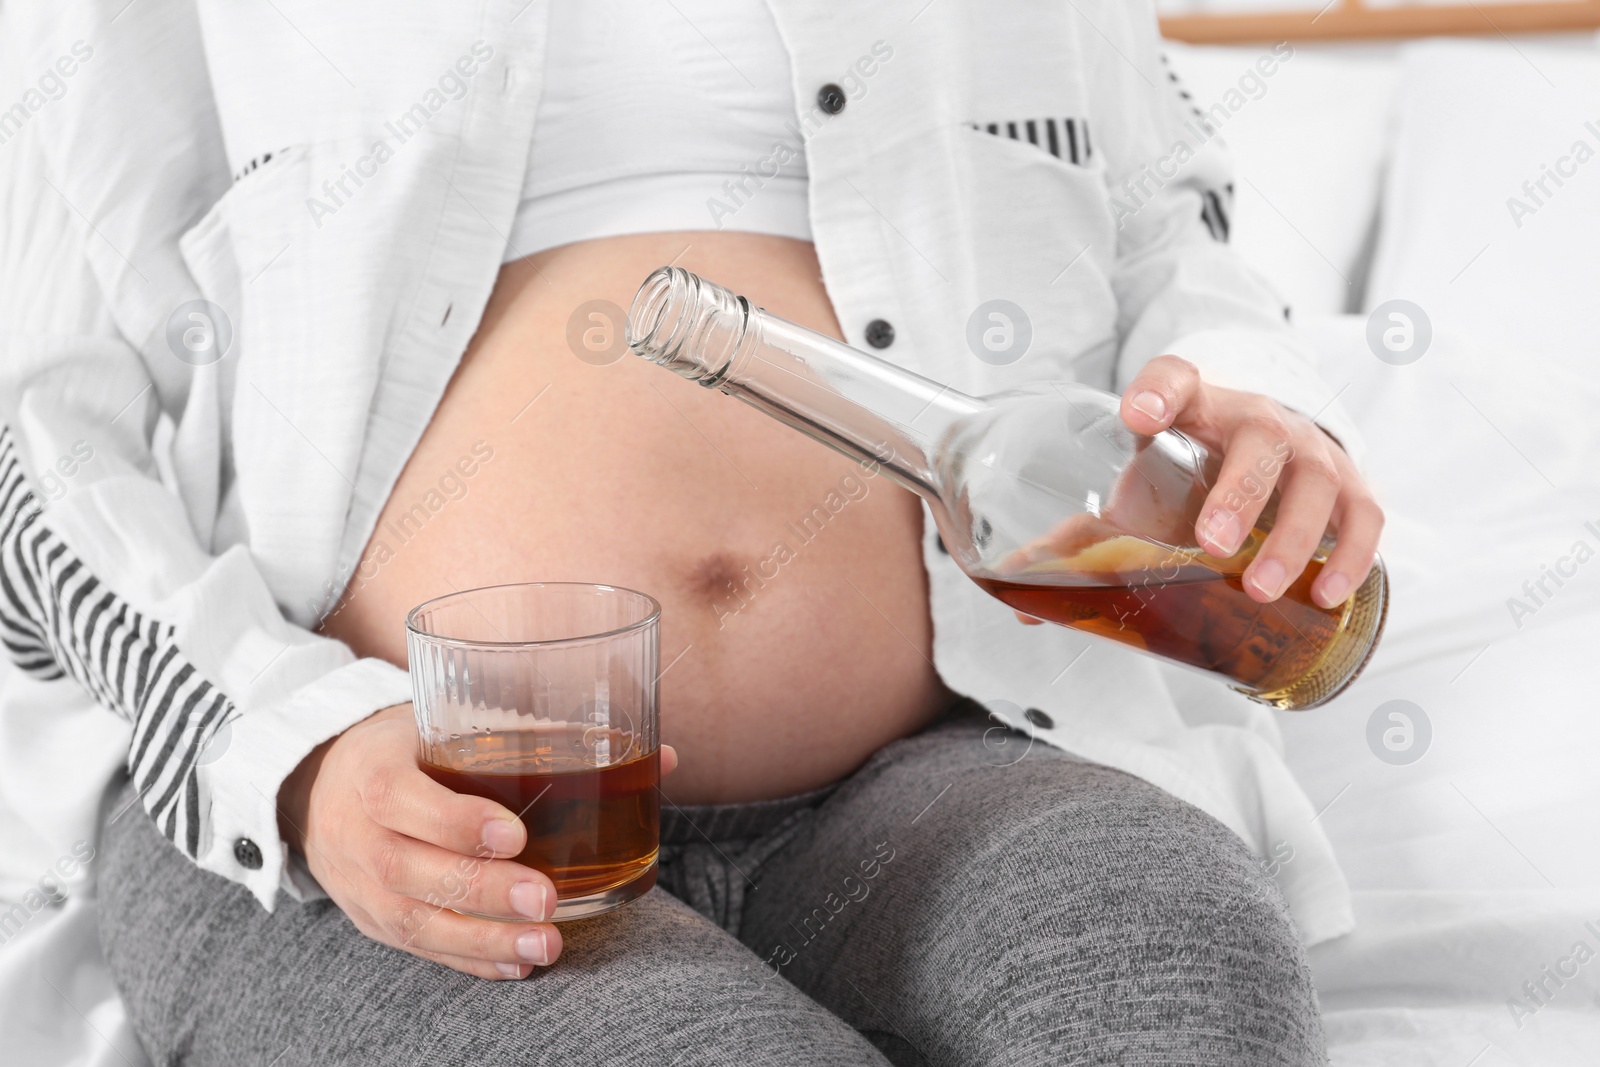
(543, 698)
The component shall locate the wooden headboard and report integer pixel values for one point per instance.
(1345, 20)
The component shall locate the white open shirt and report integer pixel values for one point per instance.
(143, 186)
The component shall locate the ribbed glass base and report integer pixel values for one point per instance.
(606, 900)
(1346, 655)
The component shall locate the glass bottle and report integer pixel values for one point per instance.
(1042, 495)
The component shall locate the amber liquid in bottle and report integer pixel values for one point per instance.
(589, 828)
(1193, 608)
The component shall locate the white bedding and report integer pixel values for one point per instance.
(1479, 864)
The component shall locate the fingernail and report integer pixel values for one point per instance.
(529, 899)
(531, 946)
(1152, 404)
(500, 836)
(510, 970)
(1269, 576)
(1335, 588)
(1222, 529)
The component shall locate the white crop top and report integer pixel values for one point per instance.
(662, 116)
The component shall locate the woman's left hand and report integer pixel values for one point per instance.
(1265, 445)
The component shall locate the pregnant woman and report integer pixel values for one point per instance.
(414, 230)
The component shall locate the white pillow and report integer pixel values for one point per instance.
(1462, 238)
(1308, 146)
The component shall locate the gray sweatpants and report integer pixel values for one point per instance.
(965, 898)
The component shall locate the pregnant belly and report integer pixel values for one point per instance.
(795, 637)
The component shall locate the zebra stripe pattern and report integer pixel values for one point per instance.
(1214, 207)
(57, 619)
(1066, 139)
(1214, 210)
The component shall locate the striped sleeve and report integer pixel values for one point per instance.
(59, 620)
(113, 578)
(105, 587)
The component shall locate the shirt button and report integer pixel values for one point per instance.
(880, 334)
(1039, 719)
(830, 98)
(247, 853)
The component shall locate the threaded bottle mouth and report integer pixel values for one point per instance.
(692, 327)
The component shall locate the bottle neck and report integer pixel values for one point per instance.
(863, 406)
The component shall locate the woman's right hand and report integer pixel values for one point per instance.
(398, 851)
